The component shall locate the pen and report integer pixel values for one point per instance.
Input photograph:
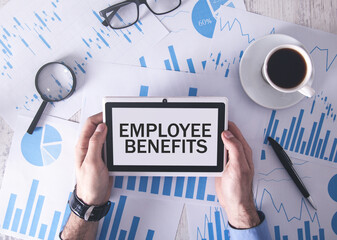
(288, 165)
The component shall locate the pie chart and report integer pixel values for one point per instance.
(43, 147)
(204, 15)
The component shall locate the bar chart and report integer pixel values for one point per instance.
(27, 221)
(307, 133)
(302, 233)
(138, 218)
(172, 63)
(188, 188)
(207, 223)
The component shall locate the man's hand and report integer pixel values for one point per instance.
(93, 183)
(234, 188)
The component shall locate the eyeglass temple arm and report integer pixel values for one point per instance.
(115, 10)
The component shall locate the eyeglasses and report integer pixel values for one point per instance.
(125, 14)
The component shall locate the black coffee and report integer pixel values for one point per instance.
(286, 68)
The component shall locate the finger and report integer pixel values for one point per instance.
(83, 141)
(96, 143)
(236, 154)
(247, 149)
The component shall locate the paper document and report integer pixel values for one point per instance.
(36, 32)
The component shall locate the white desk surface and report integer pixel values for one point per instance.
(317, 14)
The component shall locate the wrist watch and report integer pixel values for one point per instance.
(89, 213)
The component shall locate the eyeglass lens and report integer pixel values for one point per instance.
(162, 6)
(127, 14)
(124, 16)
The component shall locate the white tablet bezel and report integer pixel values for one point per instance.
(169, 170)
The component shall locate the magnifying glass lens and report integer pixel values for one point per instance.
(54, 82)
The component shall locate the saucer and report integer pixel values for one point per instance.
(251, 77)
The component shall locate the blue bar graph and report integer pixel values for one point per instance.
(167, 186)
(210, 197)
(43, 230)
(149, 235)
(131, 183)
(9, 211)
(133, 229)
(144, 91)
(29, 206)
(218, 225)
(155, 185)
(192, 92)
(277, 233)
(319, 128)
(300, 233)
(321, 234)
(118, 217)
(299, 140)
(284, 134)
(311, 138)
(210, 231)
(318, 150)
(106, 222)
(54, 225)
(142, 61)
(298, 124)
(226, 234)
(122, 234)
(118, 181)
(274, 129)
(291, 128)
(326, 139)
(143, 184)
(174, 58)
(201, 188)
(307, 230)
(190, 65)
(36, 216)
(167, 65)
(179, 187)
(296, 138)
(190, 187)
(16, 220)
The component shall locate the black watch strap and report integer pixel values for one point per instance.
(87, 212)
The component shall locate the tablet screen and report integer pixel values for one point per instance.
(164, 136)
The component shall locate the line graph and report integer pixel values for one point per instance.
(231, 25)
(302, 216)
(326, 51)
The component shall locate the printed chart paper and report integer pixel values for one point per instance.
(39, 179)
(138, 218)
(36, 32)
(288, 213)
(192, 26)
(308, 128)
(207, 222)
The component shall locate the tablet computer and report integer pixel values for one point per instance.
(165, 136)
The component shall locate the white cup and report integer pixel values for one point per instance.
(302, 86)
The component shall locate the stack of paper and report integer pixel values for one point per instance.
(193, 51)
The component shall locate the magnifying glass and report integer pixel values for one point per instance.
(54, 82)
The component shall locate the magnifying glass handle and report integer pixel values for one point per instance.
(37, 117)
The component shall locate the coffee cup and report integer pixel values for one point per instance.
(288, 68)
